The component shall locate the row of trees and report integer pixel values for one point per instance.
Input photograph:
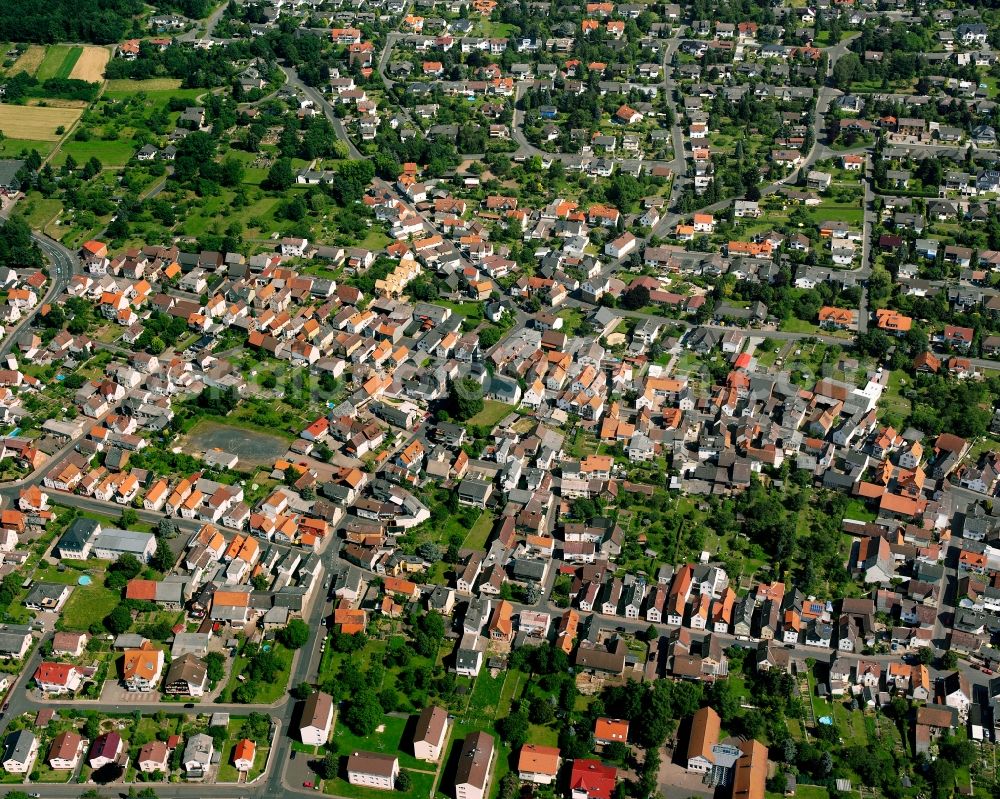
(24, 85)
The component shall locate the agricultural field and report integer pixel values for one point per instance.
(28, 61)
(59, 61)
(35, 122)
(90, 64)
(122, 88)
(13, 148)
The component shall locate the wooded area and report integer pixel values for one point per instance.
(96, 21)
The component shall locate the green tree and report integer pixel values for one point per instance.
(635, 298)
(510, 785)
(163, 559)
(129, 518)
(942, 779)
(617, 752)
(363, 712)
(847, 70)
(351, 181)
(231, 172)
(121, 571)
(327, 767)
(294, 635)
(489, 336)
(215, 666)
(280, 176)
(465, 398)
(540, 710)
(624, 191)
(514, 729)
(246, 693)
(118, 620)
(959, 752)
(403, 781)
(17, 248)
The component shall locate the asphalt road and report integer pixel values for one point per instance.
(62, 265)
(293, 80)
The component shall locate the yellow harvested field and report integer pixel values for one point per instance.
(29, 60)
(150, 85)
(56, 102)
(33, 122)
(90, 66)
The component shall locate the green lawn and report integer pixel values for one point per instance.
(893, 400)
(51, 574)
(480, 532)
(832, 212)
(492, 29)
(51, 775)
(88, 604)
(492, 412)
(543, 736)
(227, 771)
(59, 61)
(469, 310)
(794, 325)
(486, 695)
(148, 727)
(266, 692)
(158, 91)
(233, 420)
(811, 791)
(981, 446)
(851, 725)
(11, 147)
(205, 213)
(108, 521)
(109, 153)
(512, 687)
(392, 738)
(572, 319)
(38, 211)
(856, 510)
(124, 87)
(376, 239)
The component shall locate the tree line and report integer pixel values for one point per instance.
(96, 21)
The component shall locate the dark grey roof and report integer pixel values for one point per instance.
(18, 746)
(9, 167)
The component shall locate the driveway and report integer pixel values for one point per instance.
(676, 783)
(298, 770)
